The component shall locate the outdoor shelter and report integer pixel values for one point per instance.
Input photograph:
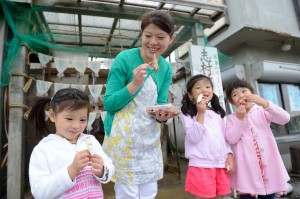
(82, 29)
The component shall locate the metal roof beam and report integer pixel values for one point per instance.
(112, 30)
(88, 26)
(91, 35)
(114, 11)
(184, 35)
(136, 40)
(82, 45)
(80, 29)
(121, 4)
(194, 11)
(194, 4)
(160, 6)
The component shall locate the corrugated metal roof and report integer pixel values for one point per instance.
(115, 23)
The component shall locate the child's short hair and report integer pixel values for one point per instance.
(237, 84)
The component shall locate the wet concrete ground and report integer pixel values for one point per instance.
(172, 185)
(295, 182)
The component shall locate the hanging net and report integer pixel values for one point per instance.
(224, 60)
(29, 28)
(25, 24)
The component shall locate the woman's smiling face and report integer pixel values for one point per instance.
(154, 41)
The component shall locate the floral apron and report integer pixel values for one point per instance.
(134, 141)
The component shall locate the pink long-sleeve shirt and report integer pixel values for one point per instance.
(205, 144)
(247, 177)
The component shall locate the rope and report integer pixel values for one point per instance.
(19, 106)
(28, 83)
(5, 109)
(26, 114)
(4, 162)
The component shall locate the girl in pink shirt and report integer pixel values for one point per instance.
(210, 157)
(259, 168)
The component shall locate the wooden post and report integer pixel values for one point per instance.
(164, 144)
(15, 167)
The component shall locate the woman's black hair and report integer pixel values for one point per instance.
(188, 106)
(237, 84)
(64, 99)
(160, 18)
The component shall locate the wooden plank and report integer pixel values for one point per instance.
(53, 71)
(15, 132)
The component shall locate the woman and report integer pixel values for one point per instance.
(132, 136)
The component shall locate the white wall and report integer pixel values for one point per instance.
(274, 16)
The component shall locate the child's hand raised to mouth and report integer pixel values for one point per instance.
(253, 98)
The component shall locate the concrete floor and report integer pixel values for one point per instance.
(172, 185)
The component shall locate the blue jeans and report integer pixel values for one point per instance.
(248, 196)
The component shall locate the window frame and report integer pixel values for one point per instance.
(284, 102)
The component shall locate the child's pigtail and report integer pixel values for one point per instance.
(188, 106)
(215, 104)
(37, 117)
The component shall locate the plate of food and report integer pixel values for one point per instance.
(167, 108)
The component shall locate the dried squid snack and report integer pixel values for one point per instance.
(89, 145)
(155, 63)
(199, 98)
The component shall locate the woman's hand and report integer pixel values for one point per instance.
(139, 75)
(162, 115)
